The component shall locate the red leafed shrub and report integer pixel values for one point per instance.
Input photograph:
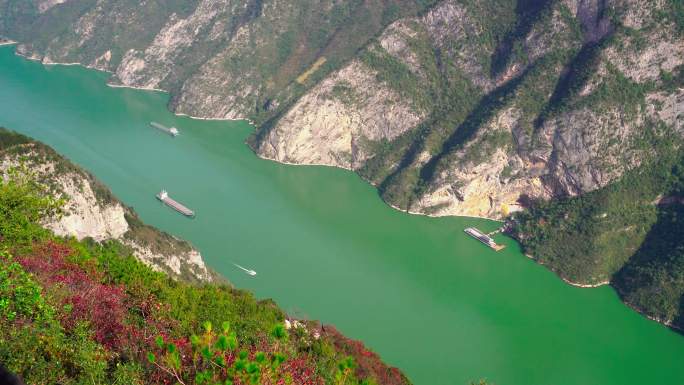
(79, 287)
(368, 363)
(300, 371)
(103, 307)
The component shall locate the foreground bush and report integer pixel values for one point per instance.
(79, 312)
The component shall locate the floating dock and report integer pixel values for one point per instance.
(164, 197)
(484, 238)
(173, 131)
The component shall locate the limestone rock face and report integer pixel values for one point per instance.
(44, 5)
(90, 211)
(564, 145)
(335, 122)
(148, 68)
(461, 108)
(83, 217)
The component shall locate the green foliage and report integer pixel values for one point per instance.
(673, 80)
(677, 14)
(21, 208)
(391, 13)
(617, 90)
(343, 92)
(396, 75)
(47, 337)
(344, 370)
(509, 42)
(587, 239)
(10, 139)
(653, 279)
(20, 296)
(483, 148)
(216, 357)
(33, 343)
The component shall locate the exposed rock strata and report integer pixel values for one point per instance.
(335, 122)
(90, 211)
(585, 146)
(462, 110)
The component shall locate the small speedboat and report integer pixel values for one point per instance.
(248, 271)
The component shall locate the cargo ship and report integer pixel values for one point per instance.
(173, 131)
(484, 238)
(166, 199)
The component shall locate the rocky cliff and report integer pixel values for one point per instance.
(548, 100)
(91, 211)
(451, 107)
(219, 58)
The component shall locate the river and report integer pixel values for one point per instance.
(430, 300)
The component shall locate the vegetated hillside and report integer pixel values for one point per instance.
(91, 211)
(219, 58)
(450, 107)
(630, 233)
(464, 109)
(76, 312)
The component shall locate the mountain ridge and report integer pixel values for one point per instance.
(475, 108)
(91, 307)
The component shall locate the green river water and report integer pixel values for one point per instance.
(437, 304)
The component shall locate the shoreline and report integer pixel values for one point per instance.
(584, 286)
(149, 89)
(569, 282)
(669, 324)
(109, 84)
(376, 189)
(112, 85)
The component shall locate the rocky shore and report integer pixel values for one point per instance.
(91, 211)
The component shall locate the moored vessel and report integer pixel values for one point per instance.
(484, 238)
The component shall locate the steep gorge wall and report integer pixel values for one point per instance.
(91, 211)
(449, 107)
(218, 58)
(557, 105)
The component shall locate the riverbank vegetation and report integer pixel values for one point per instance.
(630, 233)
(75, 312)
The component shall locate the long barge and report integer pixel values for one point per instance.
(484, 238)
(173, 131)
(167, 200)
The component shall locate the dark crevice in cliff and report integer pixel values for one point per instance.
(483, 111)
(453, 98)
(597, 31)
(407, 159)
(575, 76)
(593, 17)
(528, 13)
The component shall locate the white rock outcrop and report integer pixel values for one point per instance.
(87, 215)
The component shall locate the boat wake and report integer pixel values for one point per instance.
(248, 271)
